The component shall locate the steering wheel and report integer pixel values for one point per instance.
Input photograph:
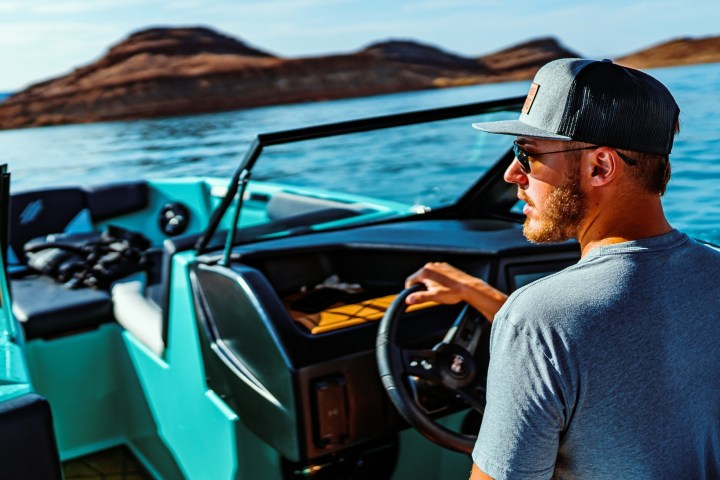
(457, 364)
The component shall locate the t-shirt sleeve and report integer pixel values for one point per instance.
(525, 412)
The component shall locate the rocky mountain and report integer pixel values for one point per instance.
(411, 52)
(681, 51)
(524, 59)
(173, 71)
(179, 71)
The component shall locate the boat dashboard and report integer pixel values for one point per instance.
(288, 326)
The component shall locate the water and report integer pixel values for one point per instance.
(213, 144)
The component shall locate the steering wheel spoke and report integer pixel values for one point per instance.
(467, 330)
(420, 363)
(474, 396)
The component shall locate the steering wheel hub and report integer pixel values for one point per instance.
(457, 365)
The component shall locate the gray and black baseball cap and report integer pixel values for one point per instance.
(596, 102)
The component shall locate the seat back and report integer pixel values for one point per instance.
(37, 213)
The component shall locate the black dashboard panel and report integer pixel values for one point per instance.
(477, 236)
(270, 368)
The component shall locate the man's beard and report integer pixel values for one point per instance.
(561, 216)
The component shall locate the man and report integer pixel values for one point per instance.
(611, 367)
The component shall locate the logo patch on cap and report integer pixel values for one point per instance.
(530, 98)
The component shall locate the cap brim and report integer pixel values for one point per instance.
(519, 129)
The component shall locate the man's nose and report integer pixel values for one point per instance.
(515, 174)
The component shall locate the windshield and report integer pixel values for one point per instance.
(359, 171)
(429, 164)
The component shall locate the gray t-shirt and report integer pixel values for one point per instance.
(609, 368)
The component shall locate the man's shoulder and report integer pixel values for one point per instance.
(561, 285)
(584, 292)
(706, 250)
(558, 301)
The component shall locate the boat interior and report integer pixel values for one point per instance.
(250, 352)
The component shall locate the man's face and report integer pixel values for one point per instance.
(556, 204)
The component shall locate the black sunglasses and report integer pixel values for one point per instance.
(523, 156)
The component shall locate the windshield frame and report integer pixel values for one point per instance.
(244, 169)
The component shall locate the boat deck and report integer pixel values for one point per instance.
(113, 464)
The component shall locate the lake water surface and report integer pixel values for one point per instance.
(213, 144)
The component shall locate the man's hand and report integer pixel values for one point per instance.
(446, 284)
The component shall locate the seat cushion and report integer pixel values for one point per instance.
(138, 314)
(46, 308)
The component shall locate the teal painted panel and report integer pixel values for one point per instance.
(197, 428)
(192, 192)
(84, 377)
(210, 442)
(96, 398)
(106, 388)
(14, 376)
(8, 392)
(12, 364)
(421, 459)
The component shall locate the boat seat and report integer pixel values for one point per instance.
(138, 314)
(38, 213)
(115, 199)
(283, 205)
(140, 301)
(27, 437)
(48, 309)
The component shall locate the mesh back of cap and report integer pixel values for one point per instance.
(621, 108)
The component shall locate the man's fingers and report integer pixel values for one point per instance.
(418, 297)
(427, 296)
(416, 277)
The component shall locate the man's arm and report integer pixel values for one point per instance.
(477, 474)
(446, 284)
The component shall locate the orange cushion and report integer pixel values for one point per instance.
(342, 316)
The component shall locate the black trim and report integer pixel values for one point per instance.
(28, 449)
(169, 249)
(4, 215)
(113, 200)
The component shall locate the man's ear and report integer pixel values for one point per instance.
(603, 166)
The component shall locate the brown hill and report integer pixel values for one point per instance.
(681, 51)
(406, 51)
(172, 71)
(524, 59)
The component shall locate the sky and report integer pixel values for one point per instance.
(42, 39)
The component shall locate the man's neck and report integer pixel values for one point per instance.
(643, 218)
